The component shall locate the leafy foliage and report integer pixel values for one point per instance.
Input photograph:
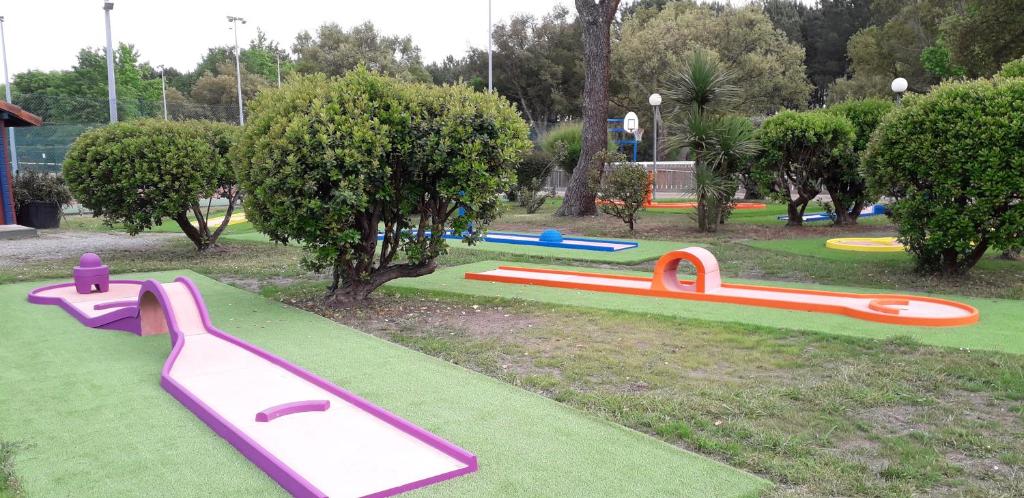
(843, 179)
(798, 149)
(334, 51)
(623, 190)
(1012, 69)
(703, 95)
(568, 136)
(531, 175)
(32, 186)
(327, 162)
(953, 163)
(138, 173)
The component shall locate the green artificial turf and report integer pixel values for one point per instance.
(816, 248)
(647, 250)
(92, 420)
(1001, 327)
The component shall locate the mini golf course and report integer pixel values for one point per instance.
(88, 408)
(999, 328)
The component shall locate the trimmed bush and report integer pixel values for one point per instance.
(1012, 69)
(570, 135)
(797, 149)
(328, 162)
(137, 173)
(531, 174)
(623, 191)
(843, 180)
(953, 162)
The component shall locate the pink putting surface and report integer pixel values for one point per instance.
(880, 307)
(313, 437)
(342, 451)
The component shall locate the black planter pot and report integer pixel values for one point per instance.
(37, 214)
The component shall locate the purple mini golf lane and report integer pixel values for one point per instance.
(312, 437)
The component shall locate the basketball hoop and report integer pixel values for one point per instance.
(639, 133)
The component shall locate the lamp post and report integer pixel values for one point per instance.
(490, 56)
(899, 85)
(111, 83)
(163, 88)
(238, 68)
(655, 101)
(279, 69)
(7, 92)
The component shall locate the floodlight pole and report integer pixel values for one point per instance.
(7, 92)
(111, 83)
(279, 70)
(490, 56)
(238, 69)
(163, 89)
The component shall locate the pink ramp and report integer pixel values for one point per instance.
(312, 437)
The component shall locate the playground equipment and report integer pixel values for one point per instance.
(312, 437)
(547, 238)
(875, 210)
(650, 203)
(894, 309)
(866, 244)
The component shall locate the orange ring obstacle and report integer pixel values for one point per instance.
(894, 309)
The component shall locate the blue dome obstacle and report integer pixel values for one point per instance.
(551, 235)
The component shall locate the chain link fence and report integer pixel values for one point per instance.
(65, 117)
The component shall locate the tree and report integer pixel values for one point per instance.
(843, 180)
(137, 173)
(653, 48)
(218, 92)
(623, 191)
(983, 34)
(797, 149)
(596, 18)
(952, 162)
(704, 97)
(331, 162)
(334, 51)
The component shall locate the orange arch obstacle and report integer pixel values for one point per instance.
(894, 309)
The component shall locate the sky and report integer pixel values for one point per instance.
(47, 34)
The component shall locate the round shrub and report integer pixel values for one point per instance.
(1012, 69)
(623, 191)
(797, 149)
(327, 162)
(570, 134)
(137, 173)
(953, 162)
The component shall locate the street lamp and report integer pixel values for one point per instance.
(163, 88)
(111, 84)
(655, 101)
(490, 57)
(899, 85)
(7, 92)
(279, 69)
(238, 68)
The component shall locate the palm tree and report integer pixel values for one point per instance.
(721, 143)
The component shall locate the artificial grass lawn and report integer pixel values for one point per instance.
(1001, 327)
(647, 250)
(816, 247)
(88, 405)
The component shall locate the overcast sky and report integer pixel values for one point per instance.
(47, 34)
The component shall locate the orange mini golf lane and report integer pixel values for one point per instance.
(886, 308)
(649, 202)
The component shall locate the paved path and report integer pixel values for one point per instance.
(61, 244)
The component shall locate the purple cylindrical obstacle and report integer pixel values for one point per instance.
(91, 274)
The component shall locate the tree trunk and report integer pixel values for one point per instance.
(351, 291)
(201, 242)
(596, 18)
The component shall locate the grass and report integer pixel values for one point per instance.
(96, 423)
(1000, 327)
(820, 415)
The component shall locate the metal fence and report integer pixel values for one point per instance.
(673, 177)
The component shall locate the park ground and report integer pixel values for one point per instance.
(818, 414)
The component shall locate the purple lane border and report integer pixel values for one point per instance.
(286, 477)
